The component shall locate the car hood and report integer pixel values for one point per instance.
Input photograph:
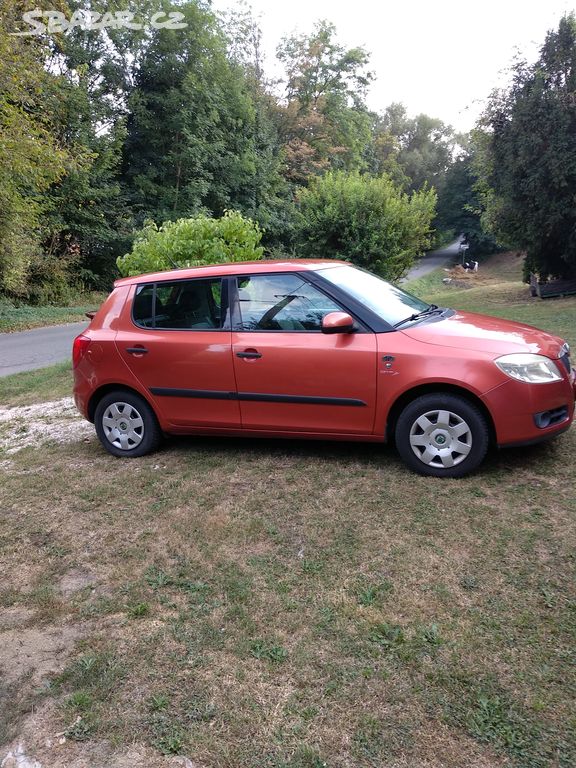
(467, 330)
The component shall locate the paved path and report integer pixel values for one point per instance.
(37, 348)
(432, 260)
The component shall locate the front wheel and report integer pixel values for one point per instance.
(442, 435)
(126, 425)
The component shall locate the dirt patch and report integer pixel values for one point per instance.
(35, 652)
(16, 616)
(503, 266)
(56, 421)
(458, 277)
(76, 580)
(39, 747)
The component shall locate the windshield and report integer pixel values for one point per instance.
(387, 301)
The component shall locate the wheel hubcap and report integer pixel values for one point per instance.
(441, 439)
(123, 426)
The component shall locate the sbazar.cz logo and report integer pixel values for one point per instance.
(56, 21)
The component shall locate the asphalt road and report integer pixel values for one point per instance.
(40, 347)
(28, 350)
(434, 259)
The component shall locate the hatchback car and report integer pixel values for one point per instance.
(315, 349)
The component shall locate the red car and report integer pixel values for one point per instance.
(315, 349)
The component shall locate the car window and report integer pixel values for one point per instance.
(282, 302)
(180, 305)
(388, 301)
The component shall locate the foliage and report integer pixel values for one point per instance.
(30, 156)
(105, 129)
(190, 142)
(366, 220)
(270, 201)
(526, 157)
(88, 221)
(324, 122)
(193, 242)
(421, 146)
(460, 208)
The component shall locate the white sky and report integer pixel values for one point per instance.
(440, 57)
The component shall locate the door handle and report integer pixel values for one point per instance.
(136, 350)
(249, 355)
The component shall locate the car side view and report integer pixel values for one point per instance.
(319, 350)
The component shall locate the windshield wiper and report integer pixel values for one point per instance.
(431, 310)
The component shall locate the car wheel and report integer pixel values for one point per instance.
(126, 425)
(442, 435)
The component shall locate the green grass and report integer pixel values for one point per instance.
(15, 317)
(269, 604)
(30, 387)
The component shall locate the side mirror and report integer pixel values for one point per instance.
(338, 322)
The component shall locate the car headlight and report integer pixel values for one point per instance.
(533, 369)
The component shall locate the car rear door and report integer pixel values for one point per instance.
(175, 337)
(290, 376)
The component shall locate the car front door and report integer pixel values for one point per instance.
(176, 340)
(290, 376)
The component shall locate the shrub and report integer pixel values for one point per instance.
(193, 242)
(366, 220)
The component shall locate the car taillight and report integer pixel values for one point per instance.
(81, 344)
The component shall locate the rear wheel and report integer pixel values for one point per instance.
(126, 425)
(442, 435)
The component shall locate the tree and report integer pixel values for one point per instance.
(366, 220)
(269, 200)
(87, 216)
(30, 157)
(526, 157)
(324, 121)
(460, 207)
(424, 145)
(191, 125)
(193, 242)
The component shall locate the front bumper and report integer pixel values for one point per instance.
(517, 410)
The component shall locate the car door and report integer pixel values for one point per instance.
(290, 376)
(176, 340)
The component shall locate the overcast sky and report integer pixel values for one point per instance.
(441, 57)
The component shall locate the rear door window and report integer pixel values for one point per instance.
(190, 305)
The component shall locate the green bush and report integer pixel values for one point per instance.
(192, 243)
(366, 220)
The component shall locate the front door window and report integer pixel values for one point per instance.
(281, 302)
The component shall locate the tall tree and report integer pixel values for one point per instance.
(270, 202)
(424, 144)
(30, 157)
(526, 157)
(190, 126)
(324, 120)
(460, 207)
(88, 216)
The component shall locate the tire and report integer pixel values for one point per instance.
(442, 435)
(126, 425)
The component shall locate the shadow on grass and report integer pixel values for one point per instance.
(539, 458)
(371, 453)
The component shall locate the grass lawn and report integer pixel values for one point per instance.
(268, 604)
(20, 318)
(36, 386)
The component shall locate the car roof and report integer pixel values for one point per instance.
(264, 266)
